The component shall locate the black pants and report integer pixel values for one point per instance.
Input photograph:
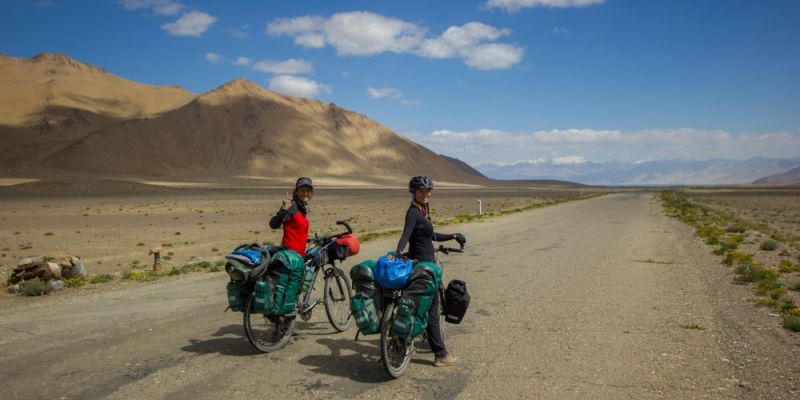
(434, 331)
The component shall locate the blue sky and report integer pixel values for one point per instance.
(485, 81)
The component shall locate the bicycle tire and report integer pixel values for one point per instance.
(337, 300)
(265, 334)
(395, 351)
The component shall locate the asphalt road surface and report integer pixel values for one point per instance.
(588, 300)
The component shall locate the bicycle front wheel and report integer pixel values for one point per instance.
(337, 300)
(266, 334)
(395, 351)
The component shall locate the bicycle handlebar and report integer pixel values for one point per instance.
(323, 239)
(447, 250)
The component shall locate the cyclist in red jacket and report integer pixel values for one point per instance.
(292, 215)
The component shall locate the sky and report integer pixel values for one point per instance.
(487, 81)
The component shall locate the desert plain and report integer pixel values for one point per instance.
(111, 224)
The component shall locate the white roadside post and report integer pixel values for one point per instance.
(480, 208)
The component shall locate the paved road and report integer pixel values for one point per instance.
(579, 300)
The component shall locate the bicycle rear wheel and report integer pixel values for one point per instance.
(337, 300)
(266, 334)
(395, 351)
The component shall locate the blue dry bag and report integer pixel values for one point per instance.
(393, 274)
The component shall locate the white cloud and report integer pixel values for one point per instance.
(560, 30)
(295, 26)
(214, 58)
(238, 32)
(377, 93)
(193, 23)
(242, 62)
(459, 39)
(392, 93)
(493, 56)
(513, 6)
(289, 67)
(365, 34)
(297, 86)
(358, 33)
(163, 7)
(494, 146)
(571, 160)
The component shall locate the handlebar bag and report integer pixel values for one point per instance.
(456, 301)
(393, 274)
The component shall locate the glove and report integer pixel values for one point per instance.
(460, 238)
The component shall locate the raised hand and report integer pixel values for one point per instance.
(287, 201)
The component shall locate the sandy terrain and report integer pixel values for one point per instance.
(588, 299)
(774, 211)
(113, 229)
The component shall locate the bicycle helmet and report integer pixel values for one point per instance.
(303, 181)
(419, 182)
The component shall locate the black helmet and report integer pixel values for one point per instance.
(419, 182)
(303, 181)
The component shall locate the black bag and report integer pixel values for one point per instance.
(337, 252)
(456, 301)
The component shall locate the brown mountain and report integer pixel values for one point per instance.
(791, 177)
(50, 100)
(238, 128)
(34, 90)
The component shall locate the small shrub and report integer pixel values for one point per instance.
(140, 244)
(173, 271)
(693, 326)
(769, 245)
(754, 272)
(785, 267)
(777, 293)
(177, 233)
(102, 278)
(794, 286)
(786, 305)
(792, 323)
(48, 233)
(141, 276)
(34, 287)
(214, 249)
(74, 282)
(736, 227)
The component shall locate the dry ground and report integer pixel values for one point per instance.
(584, 300)
(113, 230)
(773, 211)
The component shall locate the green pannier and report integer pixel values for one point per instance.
(264, 296)
(404, 322)
(235, 297)
(286, 274)
(422, 285)
(363, 309)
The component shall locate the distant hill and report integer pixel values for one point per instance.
(791, 177)
(75, 117)
(654, 172)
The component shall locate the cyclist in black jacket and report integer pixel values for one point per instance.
(418, 234)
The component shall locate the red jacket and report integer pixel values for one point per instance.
(295, 226)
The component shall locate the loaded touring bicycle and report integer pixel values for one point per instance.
(272, 286)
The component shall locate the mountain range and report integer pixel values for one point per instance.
(664, 172)
(61, 116)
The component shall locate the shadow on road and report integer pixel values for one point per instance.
(358, 361)
(224, 343)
